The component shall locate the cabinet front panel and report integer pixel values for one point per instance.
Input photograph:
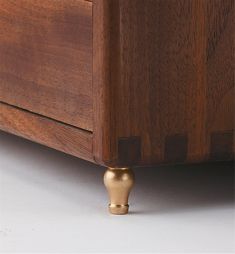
(46, 58)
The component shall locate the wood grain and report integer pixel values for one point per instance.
(220, 62)
(101, 80)
(163, 69)
(46, 131)
(46, 58)
(152, 81)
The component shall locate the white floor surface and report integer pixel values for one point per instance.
(53, 202)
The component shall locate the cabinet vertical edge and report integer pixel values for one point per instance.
(102, 86)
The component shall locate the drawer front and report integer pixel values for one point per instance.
(46, 58)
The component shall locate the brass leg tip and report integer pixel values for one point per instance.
(118, 209)
(119, 182)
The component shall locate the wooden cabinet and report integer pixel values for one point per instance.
(121, 83)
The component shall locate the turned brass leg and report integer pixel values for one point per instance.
(118, 182)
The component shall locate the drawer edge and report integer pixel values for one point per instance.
(43, 130)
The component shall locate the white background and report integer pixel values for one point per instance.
(53, 202)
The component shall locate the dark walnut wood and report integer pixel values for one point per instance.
(143, 82)
(164, 79)
(46, 58)
(45, 131)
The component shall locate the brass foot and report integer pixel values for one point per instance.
(118, 182)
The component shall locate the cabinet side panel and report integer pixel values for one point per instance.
(220, 77)
(168, 85)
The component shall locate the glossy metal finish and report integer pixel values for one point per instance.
(118, 182)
